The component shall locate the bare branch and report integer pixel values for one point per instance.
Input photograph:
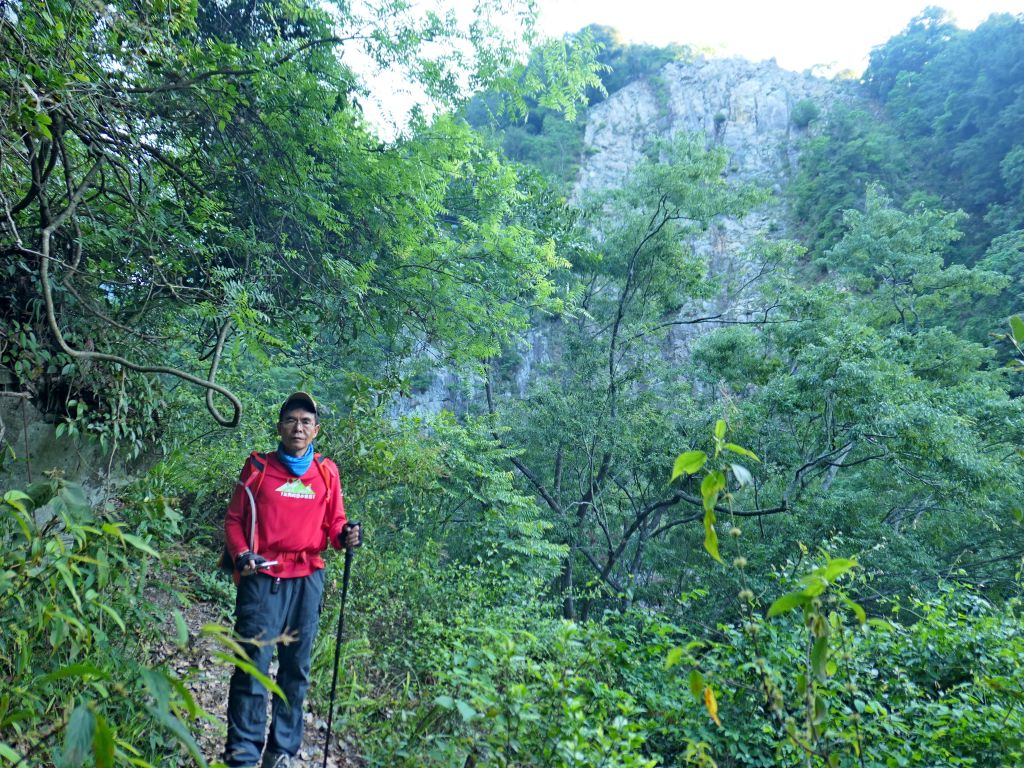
(516, 462)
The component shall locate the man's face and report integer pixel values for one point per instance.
(297, 428)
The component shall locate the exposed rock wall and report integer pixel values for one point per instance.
(745, 107)
(30, 449)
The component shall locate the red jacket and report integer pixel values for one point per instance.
(296, 518)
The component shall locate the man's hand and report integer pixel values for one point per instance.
(351, 535)
(248, 563)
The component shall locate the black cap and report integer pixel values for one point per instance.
(301, 400)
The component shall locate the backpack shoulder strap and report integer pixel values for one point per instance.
(324, 465)
(251, 486)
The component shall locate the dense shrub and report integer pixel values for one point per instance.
(81, 657)
(804, 113)
(452, 665)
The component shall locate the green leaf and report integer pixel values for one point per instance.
(689, 463)
(78, 737)
(710, 535)
(673, 657)
(13, 497)
(862, 617)
(712, 484)
(113, 614)
(741, 451)
(467, 711)
(186, 698)
(20, 512)
(180, 732)
(74, 497)
(445, 702)
(820, 710)
(181, 628)
(13, 757)
(786, 603)
(139, 544)
(697, 684)
(881, 624)
(720, 429)
(1017, 328)
(83, 670)
(819, 655)
(837, 568)
(103, 744)
(253, 670)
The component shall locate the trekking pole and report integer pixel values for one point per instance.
(337, 644)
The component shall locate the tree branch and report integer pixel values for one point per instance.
(516, 462)
(180, 85)
(51, 317)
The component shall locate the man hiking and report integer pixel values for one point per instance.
(286, 509)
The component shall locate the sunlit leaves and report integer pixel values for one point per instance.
(689, 462)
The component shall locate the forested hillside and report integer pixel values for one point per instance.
(614, 515)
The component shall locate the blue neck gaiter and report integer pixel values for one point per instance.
(297, 465)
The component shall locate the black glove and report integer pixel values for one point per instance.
(245, 559)
(344, 533)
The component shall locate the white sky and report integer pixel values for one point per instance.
(797, 33)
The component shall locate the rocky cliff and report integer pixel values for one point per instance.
(745, 107)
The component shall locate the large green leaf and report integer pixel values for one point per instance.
(819, 657)
(732, 447)
(711, 536)
(1017, 329)
(103, 744)
(696, 684)
(689, 462)
(180, 733)
(78, 737)
(787, 602)
(673, 657)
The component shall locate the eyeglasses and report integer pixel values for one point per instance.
(291, 421)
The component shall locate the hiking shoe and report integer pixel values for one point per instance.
(276, 760)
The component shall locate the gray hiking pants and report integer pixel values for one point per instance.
(265, 616)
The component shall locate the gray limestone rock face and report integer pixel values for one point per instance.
(742, 106)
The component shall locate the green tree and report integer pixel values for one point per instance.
(601, 425)
(883, 424)
(923, 39)
(955, 98)
(180, 187)
(853, 151)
